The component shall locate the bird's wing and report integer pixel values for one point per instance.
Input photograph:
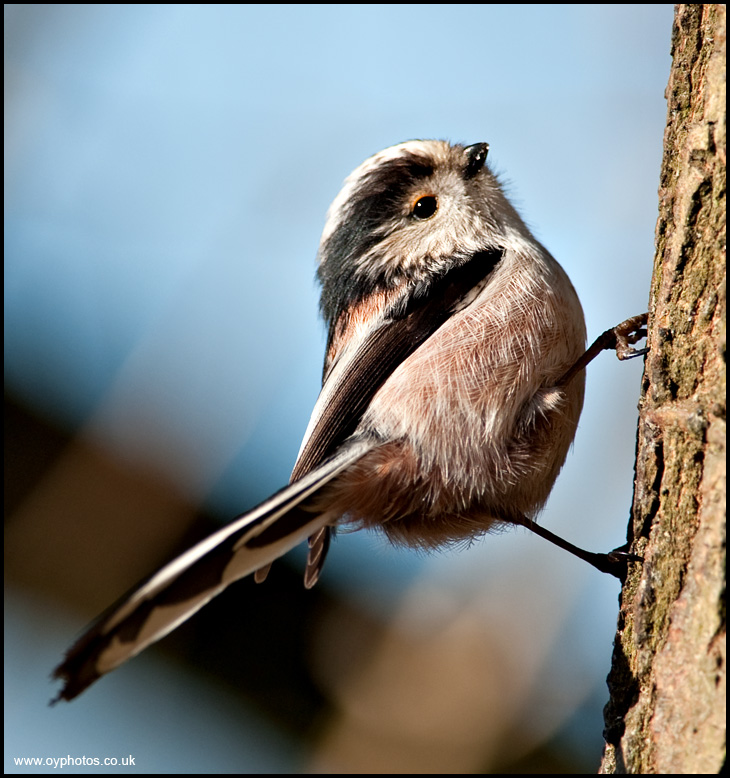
(364, 367)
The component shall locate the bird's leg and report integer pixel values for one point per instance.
(614, 562)
(619, 338)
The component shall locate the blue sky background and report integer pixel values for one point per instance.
(167, 173)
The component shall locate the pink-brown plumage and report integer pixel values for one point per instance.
(477, 428)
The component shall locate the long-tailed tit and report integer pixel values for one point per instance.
(453, 383)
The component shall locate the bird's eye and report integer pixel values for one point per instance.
(425, 207)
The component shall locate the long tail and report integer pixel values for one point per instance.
(178, 590)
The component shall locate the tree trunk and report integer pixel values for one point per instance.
(666, 712)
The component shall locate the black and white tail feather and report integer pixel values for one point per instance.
(177, 591)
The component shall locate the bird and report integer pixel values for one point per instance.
(453, 383)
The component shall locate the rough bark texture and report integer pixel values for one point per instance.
(666, 712)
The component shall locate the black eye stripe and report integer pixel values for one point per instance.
(374, 204)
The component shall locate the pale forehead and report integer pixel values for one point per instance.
(436, 150)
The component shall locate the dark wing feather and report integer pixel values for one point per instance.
(405, 327)
(319, 544)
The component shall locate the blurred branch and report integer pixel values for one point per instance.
(666, 713)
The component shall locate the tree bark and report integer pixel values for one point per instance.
(666, 712)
